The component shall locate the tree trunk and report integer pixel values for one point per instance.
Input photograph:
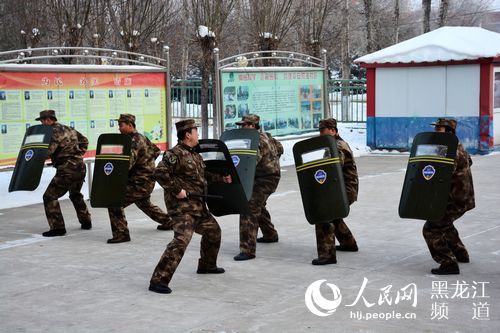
(443, 12)
(369, 25)
(346, 61)
(426, 6)
(396, 21)
(207, 47)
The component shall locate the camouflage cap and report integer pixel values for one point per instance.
(127, 118)
(185, 124)
(47, 114)
(446, 122)
(327, 123)
(249, 119)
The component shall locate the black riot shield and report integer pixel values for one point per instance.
(243, 144)
(428, 176)
(109, 183)
(31, 159)
(320, 179)
(223, 199)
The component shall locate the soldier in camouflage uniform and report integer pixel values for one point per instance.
(66, 149)
(181, 173)
(327, 232)
(140, 182)
(267, 177)
(441, 236)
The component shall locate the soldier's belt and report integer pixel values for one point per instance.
(434, 159)
(242, 152)
(113, 157)
(314, 164)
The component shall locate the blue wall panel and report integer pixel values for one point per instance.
(398, 132)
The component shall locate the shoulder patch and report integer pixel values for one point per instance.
(172, 159)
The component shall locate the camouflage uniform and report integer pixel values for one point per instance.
(267, 177)
(327, 232)
(139, 187)
(441, 236)
(66, 151)
(183, 168)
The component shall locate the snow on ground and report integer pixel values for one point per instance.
(353, 133)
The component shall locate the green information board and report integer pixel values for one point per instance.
(288, 101)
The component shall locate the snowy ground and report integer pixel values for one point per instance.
(353, 133)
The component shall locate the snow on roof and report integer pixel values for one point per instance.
(443, 44)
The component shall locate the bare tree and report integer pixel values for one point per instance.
(209, 18)
(368, 5)
(443, 12)
(137, 21)
(71, 19)
(270, 21)
(315, 14)
(426, 6)
(396, 21)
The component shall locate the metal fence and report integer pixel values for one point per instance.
(347, 99)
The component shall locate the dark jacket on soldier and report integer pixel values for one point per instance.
(183, 168)
(66, 145)
(461, 197)
(268, 156)
(142, 161)
(349, 169)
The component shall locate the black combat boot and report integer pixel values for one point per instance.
(119, 239)
(446, 269)
(54, 232)
(267, 240)
(244, 256)
(157, 288)
(324, 261)
(347, 248)
(87, 225)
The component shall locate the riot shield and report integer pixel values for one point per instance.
(321, 180)
(31, 159)
(243, 144)
(223, 199)
(428, 176)
(110, 179)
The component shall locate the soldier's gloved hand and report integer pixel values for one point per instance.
(181, 195)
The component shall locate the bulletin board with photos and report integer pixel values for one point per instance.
(90, 102)
(288, 100)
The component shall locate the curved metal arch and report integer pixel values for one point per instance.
(109, 54)
(286, 56)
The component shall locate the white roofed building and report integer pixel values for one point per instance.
(451, 71)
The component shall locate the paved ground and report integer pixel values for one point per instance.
(78, 283)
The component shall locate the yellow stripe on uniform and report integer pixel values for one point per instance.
(314, 164)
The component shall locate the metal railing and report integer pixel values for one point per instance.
(185, 97)
(347, 99)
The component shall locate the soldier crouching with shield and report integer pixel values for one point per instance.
(66, 149)
(181, 174)
(327, 232)
(441, 236)
(140, 183)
